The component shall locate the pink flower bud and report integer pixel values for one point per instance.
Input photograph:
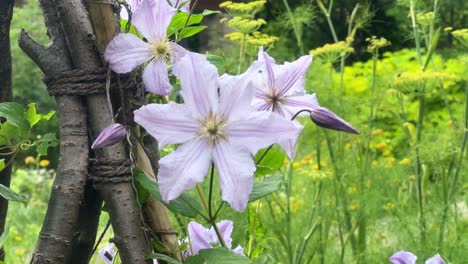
(110, 136)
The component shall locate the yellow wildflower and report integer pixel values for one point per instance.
(376, 43)
(351, 189)
(386, 153)
(348, 146)
(29, 160)
(18, 238)
(389, 206)
(377, 132)
(243, 9)
(295, 165)
(405, 161)
(412, 178)
(381, 145)
(44, 163)
(19, 252)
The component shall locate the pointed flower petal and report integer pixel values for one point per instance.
(236, 168)
(156, 78)
(325, 118)
(152, 19)
(437, 259)
(199, 82)
(291, 76)
(403, 257)
(239, 250)
(262, 129)
(271, 82)
(183, 169)
(169, 123)
(126, 52)
(109, 136)
(225, 228)
(200, 237)
(294, 104)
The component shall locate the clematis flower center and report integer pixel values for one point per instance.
(274, 99)
(161, 50)
(213, 128)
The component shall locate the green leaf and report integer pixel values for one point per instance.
(48, 140)
(208, 12)
(190, 31)
(33, 117)
(164, 258)
(270, 163)
(4, 236)
(185, 205)
(10, 195)
(179, 19)
(2, 166)
(432, 47)
(270, 184)
(217, 256)
(14, 114)
(123, 26)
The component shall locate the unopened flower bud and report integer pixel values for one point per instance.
(110, 136)
(325, 118)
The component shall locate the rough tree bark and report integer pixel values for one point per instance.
(124, 212)
(6, 91)
(54, 243)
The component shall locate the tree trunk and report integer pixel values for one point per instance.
(54, 243)
(6, 13)
(124, 212)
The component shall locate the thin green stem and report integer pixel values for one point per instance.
(288, 214)
(242, 52)
(328, 17)
(210, 213)
(419, 176)
(252, 237)
(297, 31)
(416, 32)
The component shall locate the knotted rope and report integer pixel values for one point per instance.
(84, 82)
(101, 171)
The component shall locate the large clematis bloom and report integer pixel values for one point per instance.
(126, 51)
(203, 238)
(406, 257)
(222, 129)
(280, 89)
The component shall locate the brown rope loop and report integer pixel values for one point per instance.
(84, 82)
(110, 170)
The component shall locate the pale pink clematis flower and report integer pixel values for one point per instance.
(222, 129)
(280, 89)
(126, 51)
(204, 238)
(406, 257)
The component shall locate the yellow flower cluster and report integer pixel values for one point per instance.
(414, 79)
(425, 19)
(243, 9)
(377, 43)
(332, 52)
(244, 24)
(462, 36)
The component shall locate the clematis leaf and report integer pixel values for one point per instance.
(270, 184)
(190, 31)
(217, 256)
(10, 195)
(270, 163)
(15, 115)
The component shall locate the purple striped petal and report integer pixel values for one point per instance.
(289, 145)
(199, 83)
(169, 123)
(294, 104)
(291, 76)
(156, 78)
(183, 169)
(271, 82)
(152, 19)
(177, 53)
(261, 129)
(437, 259)
(134, 6)
(325, 118)
(403, 257)
(236, 96)
(126, 52)
(236, 168)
